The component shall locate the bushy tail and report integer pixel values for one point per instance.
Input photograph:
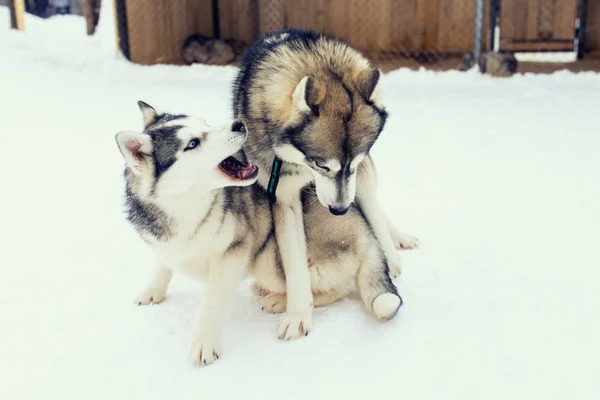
(376, 289)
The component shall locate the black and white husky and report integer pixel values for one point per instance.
(196, 207)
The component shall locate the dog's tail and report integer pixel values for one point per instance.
(376, 289)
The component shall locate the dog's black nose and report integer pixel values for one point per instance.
(238, 126)
(338, 211)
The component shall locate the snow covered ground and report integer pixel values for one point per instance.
(500, 179)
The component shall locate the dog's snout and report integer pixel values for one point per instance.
(338, 211)
(238, 126)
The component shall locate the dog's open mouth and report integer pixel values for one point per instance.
(237, 170)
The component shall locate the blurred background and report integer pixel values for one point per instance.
(543, 35)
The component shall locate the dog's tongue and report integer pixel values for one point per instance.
(246, 171)
(233, 167)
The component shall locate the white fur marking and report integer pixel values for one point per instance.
(290, 153)
(299, 96)
(357, 160)
(385, 305)
(376, 95)
(333, 165)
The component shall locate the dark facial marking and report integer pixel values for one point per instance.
(165, 145)
(162, 118)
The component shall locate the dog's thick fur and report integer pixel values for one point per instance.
(313, 101)
(206, 224)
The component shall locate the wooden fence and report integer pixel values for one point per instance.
(152, 31)
(401, 27)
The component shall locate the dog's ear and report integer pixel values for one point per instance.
(136, 149)
(148, 113)
(307, 96)
(367, 82)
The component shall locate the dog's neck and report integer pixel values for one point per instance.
(185, 210)
(185, 206)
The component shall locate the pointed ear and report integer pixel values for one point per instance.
(367, 83)
(136, 149)
(309, 93)
(148, 113)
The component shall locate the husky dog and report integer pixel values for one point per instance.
(175, 174)
(312, 105)
(190, 200)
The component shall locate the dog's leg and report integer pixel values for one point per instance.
(289, 231)
(376, 289)
(223, 280)
(157, 287)
(366, 187)
(275, 303)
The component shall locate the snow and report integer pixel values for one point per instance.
(498, 178)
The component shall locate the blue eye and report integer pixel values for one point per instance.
(192, 144)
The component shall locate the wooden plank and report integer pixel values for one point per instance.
(321, 17)
(507, 23)
(383, 27)
(18, 14)
(157, 33)
(565, 14)
(533, 14)
(300, 14)
(513, 21)
(358, 17)
(336, 12)
(537, 46)
(456, 26)
(91, 9)
(592, 31)
(445, 24)
(432, 19)
(401, 25)
(546, 17)
(238, 19)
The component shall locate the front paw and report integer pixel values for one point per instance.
(405, 242)
(150, 296)
(274, 303)
(295, 325)
(205, 350)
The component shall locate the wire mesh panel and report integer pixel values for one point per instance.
(387, 30)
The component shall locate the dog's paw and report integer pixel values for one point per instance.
(402, 241)
(150, 296)
(395, 266)
(204, 351)
(295, 325)
(274, 303)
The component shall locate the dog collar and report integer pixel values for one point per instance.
(274, 179)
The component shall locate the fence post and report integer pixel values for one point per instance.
(17, 14)
(582, 27)
(478, 36)
(492, 26)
